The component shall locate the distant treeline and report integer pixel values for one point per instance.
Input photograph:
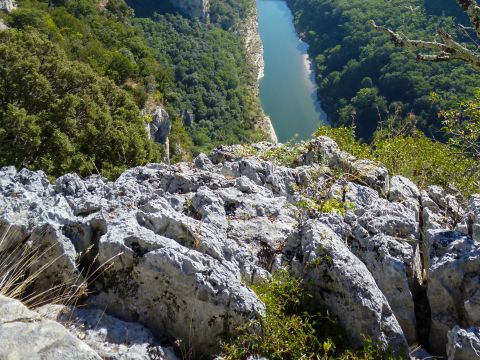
(363, 79)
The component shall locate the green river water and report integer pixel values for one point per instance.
(288, 90)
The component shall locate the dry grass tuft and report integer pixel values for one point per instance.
(23, 264)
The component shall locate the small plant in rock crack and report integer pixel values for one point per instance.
(286, 154)
(318, 196)
(293, 328)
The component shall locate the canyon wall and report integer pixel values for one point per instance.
(193, 8)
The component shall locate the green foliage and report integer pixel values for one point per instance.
(102, 38)
(285, 154)
(287, 331)
(58, 115)
(212, 79)
(326, 206)
(228, 13)
(408, 152)
(292, 328)
(363, 79)
(462, 124)
(180, 143)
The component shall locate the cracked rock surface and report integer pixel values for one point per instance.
(178, 245)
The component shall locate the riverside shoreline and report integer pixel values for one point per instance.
(254, 48)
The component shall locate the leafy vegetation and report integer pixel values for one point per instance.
(60, 116)
(407, 151)
(363, 79)
(291, 329)
(212, 79)
(102, 37)
(73, 76)
(228, 13)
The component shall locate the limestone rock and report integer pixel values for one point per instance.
(109, 337)
(336, 277)
(160, 126)
(404, 191)
(176, 246)
(8, 5)
(384, 236)
(471, 221)
(463, 344)
(25, 335)
(453, 285)
(324, 150)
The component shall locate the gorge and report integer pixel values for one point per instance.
(202, 238)
(288, 91)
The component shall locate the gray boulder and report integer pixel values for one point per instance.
(109, 337)
(25, 335)
(453, 285)
(384, 236)
(471, 220)
(463, 344)
(404, 191)
(160, 126)
(325, 151)
(335, 277)
(163, 281)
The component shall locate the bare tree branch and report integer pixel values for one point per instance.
(473, 11)
(448, 49)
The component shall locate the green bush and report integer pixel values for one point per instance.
(412, 154)
(60, 116)
(293, 328)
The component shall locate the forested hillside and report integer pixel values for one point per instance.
(74, 77)
(79, 80)
(363, 79)
(212, 77)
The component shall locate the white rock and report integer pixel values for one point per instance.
(25, 335)
(453, 285)
(463, 344)
(333, 275)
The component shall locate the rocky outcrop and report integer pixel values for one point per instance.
(24, 334)
(8, 5)
(176, 246)
(339, 279)
(193, 8)
(160, 126)
(110, 338)
(463, 344)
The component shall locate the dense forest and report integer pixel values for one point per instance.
(79, 79)
(74, 78)
(211, 71)
(211, 78)
(363, 79)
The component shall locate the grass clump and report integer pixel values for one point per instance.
(292, 328)
(26, 264)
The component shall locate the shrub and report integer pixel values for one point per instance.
(410, 153)
(293, 328)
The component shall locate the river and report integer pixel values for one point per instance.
(288, 89)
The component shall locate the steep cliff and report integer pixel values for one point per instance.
(394, 263)
(193, 8)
